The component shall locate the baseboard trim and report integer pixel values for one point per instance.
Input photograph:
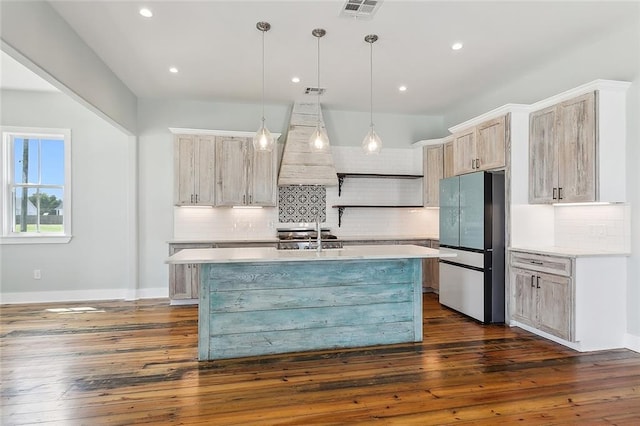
(82, 295)
(632, 342)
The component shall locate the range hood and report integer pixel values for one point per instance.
(300, 166)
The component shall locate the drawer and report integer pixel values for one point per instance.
(543, 263)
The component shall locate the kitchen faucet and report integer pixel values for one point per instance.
(318, 233)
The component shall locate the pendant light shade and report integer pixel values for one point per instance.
(263, 139)
(371, 144)
(319, 141)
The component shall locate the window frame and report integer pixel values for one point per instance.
(8, 235)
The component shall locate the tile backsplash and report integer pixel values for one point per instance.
(302, 203)
(604, 227)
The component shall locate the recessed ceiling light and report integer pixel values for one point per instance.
(402, 88)
(146, 12)
(295, 79)
(173, 70)
(456, 46)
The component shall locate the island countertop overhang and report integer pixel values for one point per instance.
(271, 254)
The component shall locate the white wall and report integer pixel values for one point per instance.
(95, 264)
(38, 37)
(615, 57)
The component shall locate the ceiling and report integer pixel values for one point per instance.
(217, 49)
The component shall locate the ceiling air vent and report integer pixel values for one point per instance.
(314, 91)
(360, 9)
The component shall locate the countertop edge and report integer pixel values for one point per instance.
(270, 254)
(568, 252)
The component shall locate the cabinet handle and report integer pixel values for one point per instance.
(192, 198)
(559, 193)
(538, 281)
(532, 277)
(555, 197)
(473, 164)
(244, 199)
(196, 198)
(536, 262)
(477, 163)
(250, 199)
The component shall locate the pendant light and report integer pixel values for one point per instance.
(319, 141)
(372, 144)
(263, 139)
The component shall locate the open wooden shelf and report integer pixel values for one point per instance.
(342, 176)
(342, 207)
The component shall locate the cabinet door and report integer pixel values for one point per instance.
(577, 149)
(490, 144)
(543, 165)
(262, 177)
(524, 283)
(555, 305)
(184, 170)
(432, 270)
(432, 171)
(231, 171)
(464, 152)
(448, 160)
(450, 211)
(205, 171)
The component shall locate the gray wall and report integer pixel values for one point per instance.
(33, 30)
(616, 57)
(95, 263)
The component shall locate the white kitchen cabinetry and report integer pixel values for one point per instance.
(433, 163)
(194, 158)
(244, 176)
(481, 147)
(578, 301)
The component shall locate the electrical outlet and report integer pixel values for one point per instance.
(36, 274)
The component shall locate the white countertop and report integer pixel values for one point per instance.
(567, 251)
(270, 254)
(275, 240)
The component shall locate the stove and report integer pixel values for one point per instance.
(306, 239)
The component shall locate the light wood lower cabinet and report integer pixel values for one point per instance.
(184, 279)
(544, 301)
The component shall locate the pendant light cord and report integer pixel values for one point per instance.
(371, 81)
(318, 93)
(263, 78)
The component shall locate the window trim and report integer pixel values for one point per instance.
(9, 237)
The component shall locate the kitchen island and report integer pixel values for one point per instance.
(259, 301)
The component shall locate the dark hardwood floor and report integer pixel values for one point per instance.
(136, 362)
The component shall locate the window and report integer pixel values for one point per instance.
(36, 185)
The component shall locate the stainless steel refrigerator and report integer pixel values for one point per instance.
(472, 225)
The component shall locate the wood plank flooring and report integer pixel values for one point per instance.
(136, 362)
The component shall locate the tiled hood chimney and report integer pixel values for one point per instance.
(300, 166)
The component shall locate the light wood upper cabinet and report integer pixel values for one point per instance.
(194, 158)
(577, 149)
(464, 152)
(490, 144)
(448, 159)
(480, 148)
(244, 176)
(433, 164)
(562, 152)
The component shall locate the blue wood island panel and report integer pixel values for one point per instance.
(249, 309)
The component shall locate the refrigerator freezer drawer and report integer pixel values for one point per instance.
(463, 290)
(464, 257)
